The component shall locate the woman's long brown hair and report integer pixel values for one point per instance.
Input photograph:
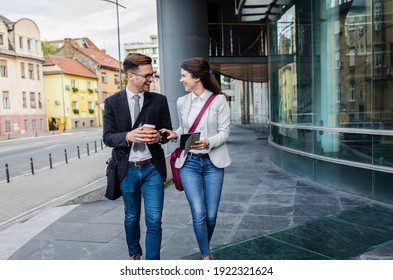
(198, 67)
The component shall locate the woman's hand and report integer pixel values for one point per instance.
(200, 145)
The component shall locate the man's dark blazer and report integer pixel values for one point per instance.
(117, 122)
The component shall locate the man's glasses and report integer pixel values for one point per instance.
(146, 76)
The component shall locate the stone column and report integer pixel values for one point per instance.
(182, 33)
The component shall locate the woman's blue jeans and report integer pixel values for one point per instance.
(143, 181)
(202, 183)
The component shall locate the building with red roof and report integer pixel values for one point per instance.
(71, 98)
(105, 67)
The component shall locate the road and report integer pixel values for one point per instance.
(18, 152)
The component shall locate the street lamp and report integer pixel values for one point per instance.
(118, 37)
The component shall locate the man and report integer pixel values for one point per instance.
(141, 168)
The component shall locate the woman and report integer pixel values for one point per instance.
(202, 168)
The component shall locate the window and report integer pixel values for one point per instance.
(38, 72)
(6, 100)
(338, 91)
(3, 68)
(116, 79)
(74, 105)
(26, 125)
(7, 126)
(377, 16)
(73, 83)
(351, 23)
(338, 60)
(24, 100)
(34, 125)
(40, 105)
(88, 85)
(32, 100)
(1, 39)
(21, 42)
(22, 70)
(90, 105)
(378, 57)
(103, 78)
(29, 44)
(352, 92)
(31, 71)
(360, 25)
(352, 57)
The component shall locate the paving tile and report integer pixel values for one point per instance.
(262, 248)
(374, 216)
(333, 238)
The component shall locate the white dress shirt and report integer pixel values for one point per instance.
(197, 103)
(138, 155)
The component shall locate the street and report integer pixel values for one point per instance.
(17, 153)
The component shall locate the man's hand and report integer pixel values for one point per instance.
(171, 134)
(152, 136)
(138, 135)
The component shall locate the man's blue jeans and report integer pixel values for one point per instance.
(202, 183)
(143, 181)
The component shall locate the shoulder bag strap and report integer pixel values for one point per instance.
(139, 118)
(199, 117)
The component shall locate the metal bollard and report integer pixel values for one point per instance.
(7, 173)
(32, 166)
(95, 146)
(79, 153)
(87, 146)
(65, 155)
(50, 160)
(101, 145)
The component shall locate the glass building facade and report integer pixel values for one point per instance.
(318, 73)
(331, 94)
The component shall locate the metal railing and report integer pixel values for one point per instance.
(237, 39)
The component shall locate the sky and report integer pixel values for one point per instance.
(95, 19)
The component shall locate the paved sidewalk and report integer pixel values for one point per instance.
(49, 187)
(258, 198)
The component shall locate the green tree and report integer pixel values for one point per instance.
(48, 48)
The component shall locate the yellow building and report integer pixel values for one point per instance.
(97, 61)
(71, 94)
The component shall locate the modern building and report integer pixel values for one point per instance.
(71, 100)
(22, 109)
(325, 69)
(149, 49)
(97, 61)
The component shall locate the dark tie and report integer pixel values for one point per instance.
(137, 109)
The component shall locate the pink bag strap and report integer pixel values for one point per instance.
(199, 117)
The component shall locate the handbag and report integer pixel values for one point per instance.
(113, 191)
(177, 152)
